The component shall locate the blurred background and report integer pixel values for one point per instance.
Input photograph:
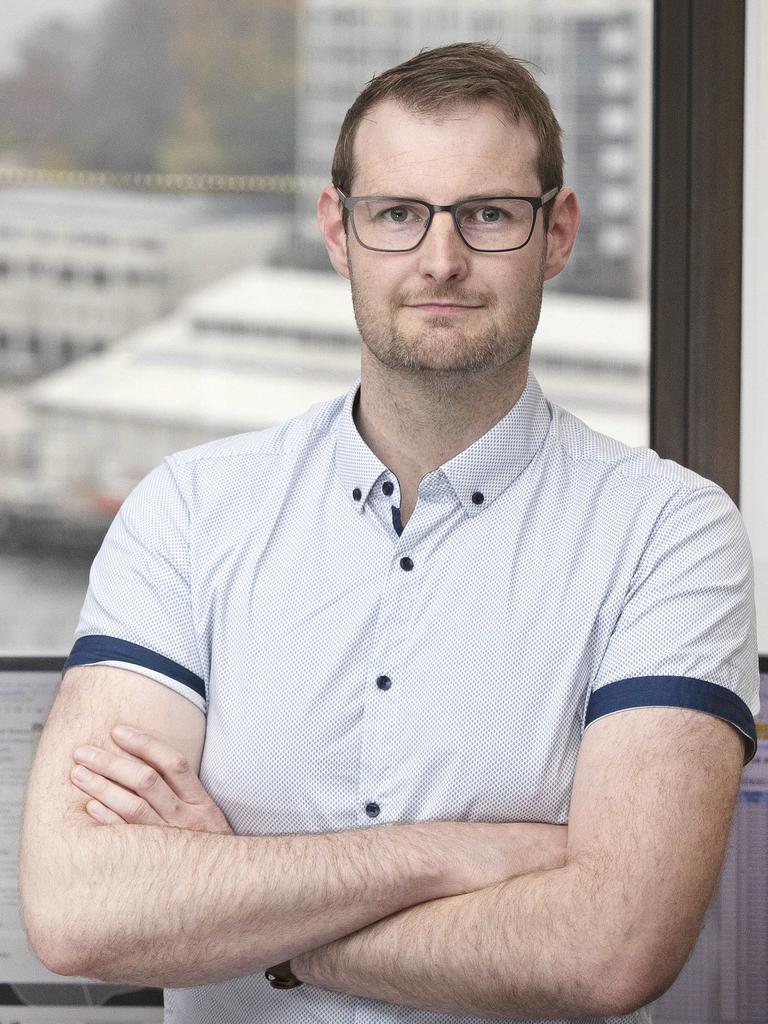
(162, 277)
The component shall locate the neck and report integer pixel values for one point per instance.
(414, 422)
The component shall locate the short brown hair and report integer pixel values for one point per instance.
(436, 80)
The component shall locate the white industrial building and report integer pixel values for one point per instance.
(82, 267)
(258, 348)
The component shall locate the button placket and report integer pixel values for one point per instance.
(381, 500)
(380, 726)
(385, 699)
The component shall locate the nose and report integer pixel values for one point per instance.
(443, 256)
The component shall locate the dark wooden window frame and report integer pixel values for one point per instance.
(696, 234)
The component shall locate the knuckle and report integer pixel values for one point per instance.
(203, 822)
(136, 810)
(147, 778)
(95, 781)
(180, 765)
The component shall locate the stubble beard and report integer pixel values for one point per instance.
(442, 351)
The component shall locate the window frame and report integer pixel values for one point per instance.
(696, 244)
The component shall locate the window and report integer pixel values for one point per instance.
(198, 205)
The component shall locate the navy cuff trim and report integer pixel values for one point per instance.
(90, 649)
(676, 692)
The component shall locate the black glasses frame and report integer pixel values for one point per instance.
(536, 203)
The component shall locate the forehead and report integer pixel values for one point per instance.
(464, 150)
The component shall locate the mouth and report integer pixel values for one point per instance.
(442, 308)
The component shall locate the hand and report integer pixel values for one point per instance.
(152, 785)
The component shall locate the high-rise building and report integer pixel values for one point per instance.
(592, 58)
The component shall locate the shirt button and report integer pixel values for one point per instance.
(383, 682)
(372, 810)
(478, 498)
(357, 494)
(406, 563)
(387, 487)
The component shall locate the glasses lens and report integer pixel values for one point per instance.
(491, 224)
(390, 224)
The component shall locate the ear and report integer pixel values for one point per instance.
(564, 219)
(332, 229)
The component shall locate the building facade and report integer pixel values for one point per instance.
(591, 57)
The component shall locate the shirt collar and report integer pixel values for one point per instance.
(486, 468)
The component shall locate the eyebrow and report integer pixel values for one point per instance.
(488, 194)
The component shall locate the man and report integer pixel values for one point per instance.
(411, 618)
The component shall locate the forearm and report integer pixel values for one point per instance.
(171, 907)
(522, 948)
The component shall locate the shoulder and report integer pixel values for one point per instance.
(628, 499)
(289, 437)
(255, 455)
(633, 470)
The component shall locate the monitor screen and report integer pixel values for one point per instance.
(26, 696)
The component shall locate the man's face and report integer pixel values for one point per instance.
(471, 151)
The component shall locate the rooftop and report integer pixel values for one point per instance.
(169, 372)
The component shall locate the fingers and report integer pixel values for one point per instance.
(168, 762)
(150, 783)
(195, 809)
(102, 813)
(130, 806)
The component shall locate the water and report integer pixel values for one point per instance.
(40, 600)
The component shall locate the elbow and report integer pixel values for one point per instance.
(48, 939)
(629, 1000)
(53, 952)
(631, 990)
(54, 962)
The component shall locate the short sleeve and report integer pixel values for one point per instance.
(686, 635)
(137, 612)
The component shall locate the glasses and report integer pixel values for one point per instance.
(485, 224)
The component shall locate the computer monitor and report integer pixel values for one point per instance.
(27, 689)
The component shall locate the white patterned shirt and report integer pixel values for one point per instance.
(355, 673)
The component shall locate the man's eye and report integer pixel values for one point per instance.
(488, 215)
(396, 214)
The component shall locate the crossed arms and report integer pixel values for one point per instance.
(382, 913)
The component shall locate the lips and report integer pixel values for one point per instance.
(442, 307)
